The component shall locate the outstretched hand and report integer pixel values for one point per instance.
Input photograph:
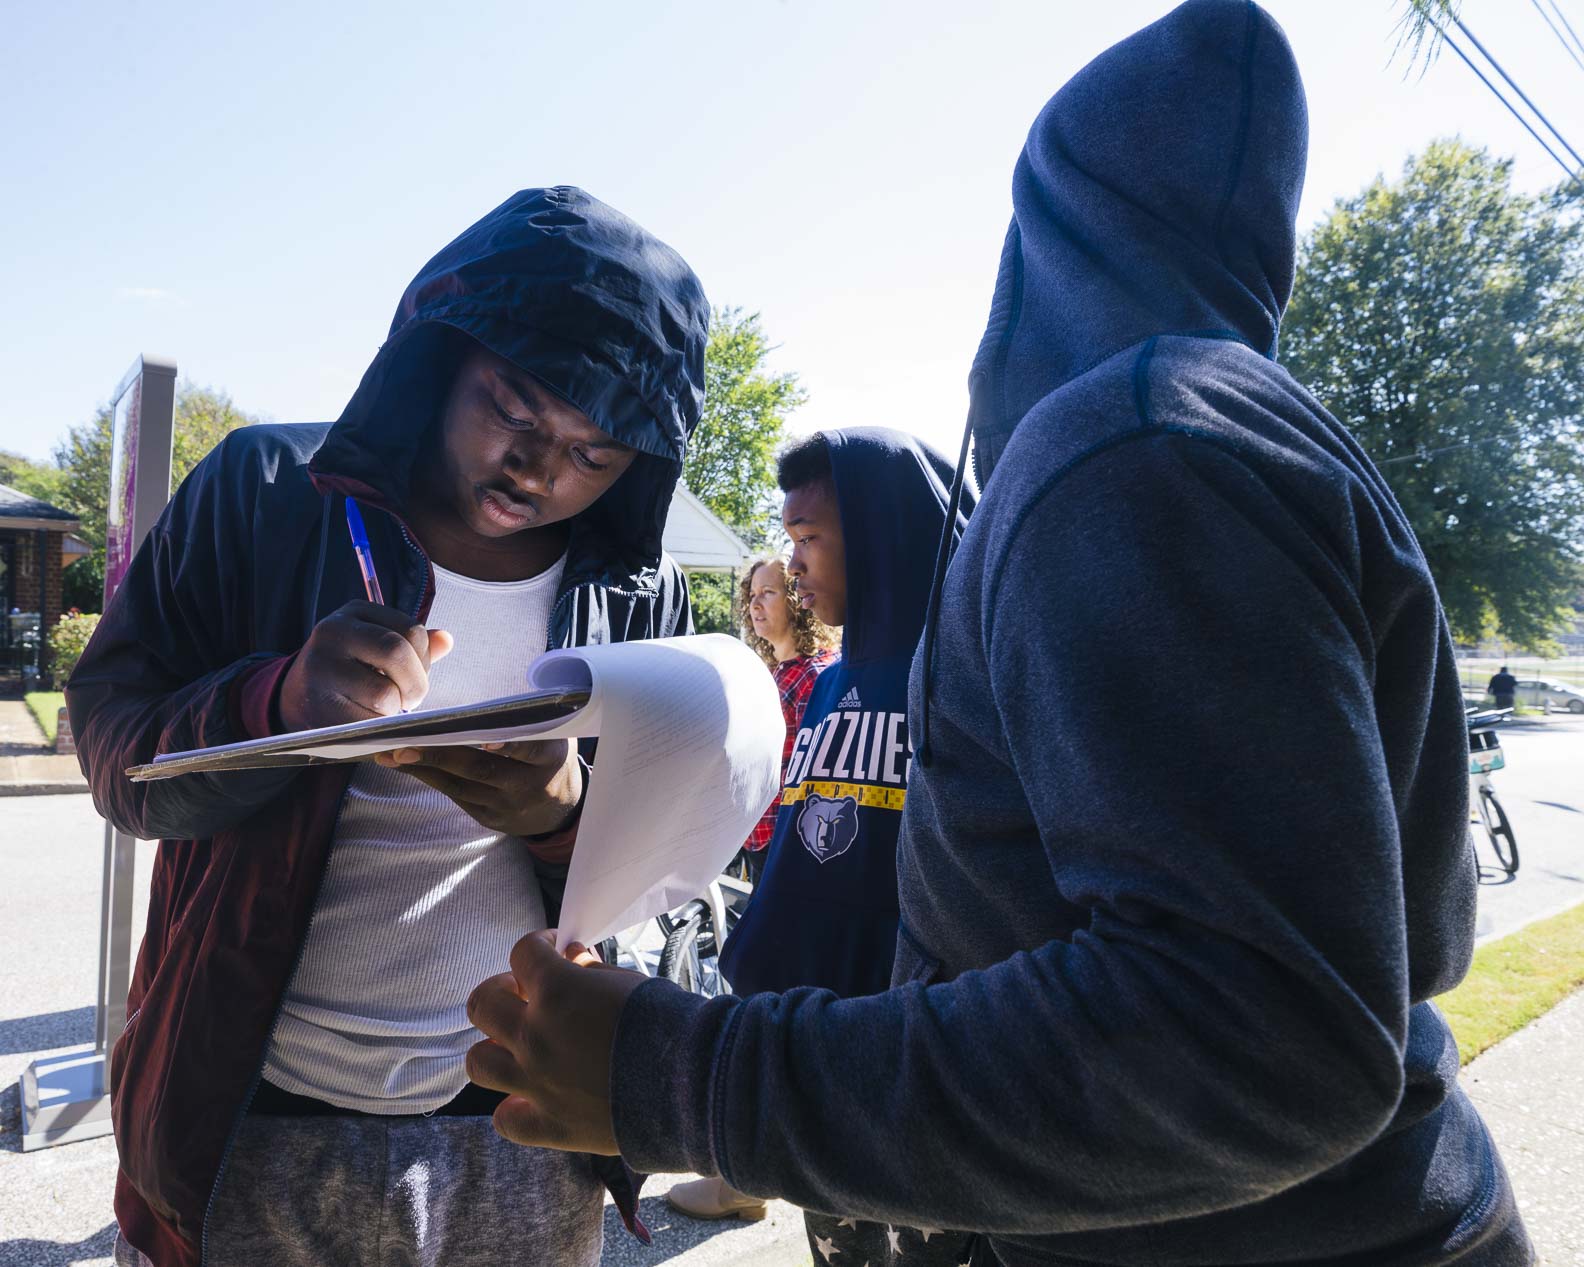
(551, 1025)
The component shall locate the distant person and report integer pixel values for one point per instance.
(291, 1089)
(1163, 984)
(857, 503)
(797, 647)
(1504, 688)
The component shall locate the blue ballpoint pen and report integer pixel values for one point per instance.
(365, 555)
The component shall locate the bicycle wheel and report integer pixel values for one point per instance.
(682, 960)
(1498, 830)
(672, 920)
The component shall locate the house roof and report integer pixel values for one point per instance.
(15, 506)
(697, 539)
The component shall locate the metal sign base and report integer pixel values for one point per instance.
(64, 1099)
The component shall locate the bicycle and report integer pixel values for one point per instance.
(691, 954)
(688, 948)
(1485, 755)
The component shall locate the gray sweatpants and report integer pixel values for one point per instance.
(408, 1192)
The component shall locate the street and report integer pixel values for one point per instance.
(1542, 790)
(55, 1207)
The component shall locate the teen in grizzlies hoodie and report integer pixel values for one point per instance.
(1164, 974)
(825, 911)
(864, 507)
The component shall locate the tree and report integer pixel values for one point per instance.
(1441, 318)
(1419, 28)
(36, 479)
(203, 417)
(730, 464)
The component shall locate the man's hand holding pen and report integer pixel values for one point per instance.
(365, 661)
(361, 661)
(369, 660)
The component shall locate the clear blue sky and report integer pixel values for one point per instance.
(247, 188)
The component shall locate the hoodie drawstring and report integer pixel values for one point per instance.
(943, 556)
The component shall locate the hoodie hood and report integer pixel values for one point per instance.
(573, 292)
(1157, 193)
(892, 492)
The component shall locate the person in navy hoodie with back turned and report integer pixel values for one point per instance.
(1164, 975)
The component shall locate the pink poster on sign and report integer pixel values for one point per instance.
(119, 545)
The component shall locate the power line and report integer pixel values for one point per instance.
(1561, 39)
(1512, 109)
(1562, 17)
(1422, 454)
(1538, 112)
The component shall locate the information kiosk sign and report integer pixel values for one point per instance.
(67, 1098)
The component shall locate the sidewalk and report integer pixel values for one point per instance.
(28, 765)
(1530, 1090)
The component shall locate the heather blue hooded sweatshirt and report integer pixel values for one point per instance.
(825, 911)
(1184, 854)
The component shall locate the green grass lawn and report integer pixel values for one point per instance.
(1516, 980)
(46, 706)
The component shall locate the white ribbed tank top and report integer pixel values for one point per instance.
(420, 903)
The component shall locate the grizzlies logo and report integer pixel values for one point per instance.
(827, 827)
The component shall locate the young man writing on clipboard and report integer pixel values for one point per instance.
(294, 1053)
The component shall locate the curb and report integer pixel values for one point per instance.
(41, 789)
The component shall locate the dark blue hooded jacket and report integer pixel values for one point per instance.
(1184, 857)
(825, 911)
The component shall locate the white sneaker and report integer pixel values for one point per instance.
(715, 1199)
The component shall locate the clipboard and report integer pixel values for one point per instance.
(522, 714)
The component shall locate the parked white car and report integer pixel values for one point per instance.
(1546, 694)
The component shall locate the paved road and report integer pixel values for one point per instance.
(1542, 790)
(54, 1205)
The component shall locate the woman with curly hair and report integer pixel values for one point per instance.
(796, 647)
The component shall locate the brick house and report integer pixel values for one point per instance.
(36, 544)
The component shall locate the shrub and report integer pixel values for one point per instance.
(67, 642)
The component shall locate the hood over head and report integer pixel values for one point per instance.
(1157, 193)
(892, 491)
(571, 291)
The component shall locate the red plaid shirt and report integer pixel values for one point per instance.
(794, 679)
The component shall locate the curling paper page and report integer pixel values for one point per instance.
(691, 734)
